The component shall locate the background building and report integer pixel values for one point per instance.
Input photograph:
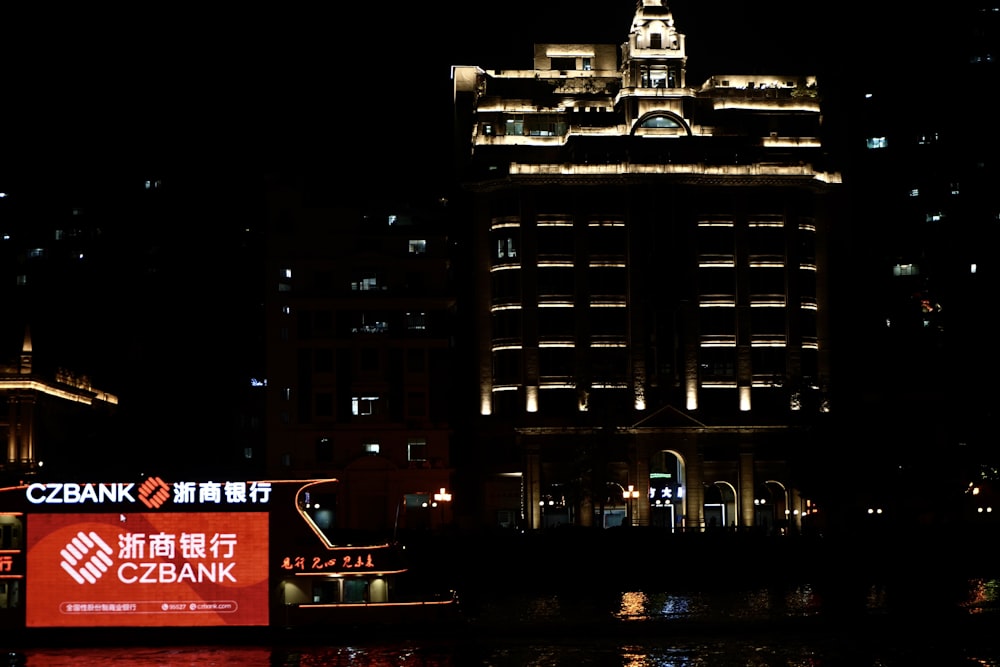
(651, 295)
(148, 288)
(924, 212)
(360, 318)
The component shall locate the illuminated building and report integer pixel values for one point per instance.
(359, 318)
(40, 413)
(650, 295)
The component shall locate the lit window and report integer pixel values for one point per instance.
(418, 246)
(36, 252)
(416, 321)
(22, 279)
(915, 192)
(371, 326)
(392, 220)
(905, 270)
(660, 121)
(935, 216)
(364, 405)
(286, 310)
(505, 248)
(416, 449)
(954, 189)
(586, 64)
(287, 273)
(972, 268)
(877, 142)
(372, 447)
(286, 393)
(365, 284)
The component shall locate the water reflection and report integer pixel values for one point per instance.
(772, 626)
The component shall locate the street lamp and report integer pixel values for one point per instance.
(442, 496)
(628, 495)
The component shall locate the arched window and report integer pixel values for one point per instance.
(659, 122)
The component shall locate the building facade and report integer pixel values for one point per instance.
(925, 208)
(652, 319)
(359, 317)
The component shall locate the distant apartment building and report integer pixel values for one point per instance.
(925, 210)
(651, 299)
(359, 318)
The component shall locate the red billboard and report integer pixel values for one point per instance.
(147, 569)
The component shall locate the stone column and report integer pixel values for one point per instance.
(746, 490)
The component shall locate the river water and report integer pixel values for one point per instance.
(949, 621)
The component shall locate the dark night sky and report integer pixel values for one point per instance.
(299, 89)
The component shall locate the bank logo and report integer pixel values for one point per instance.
(154, 492)
(86, 557)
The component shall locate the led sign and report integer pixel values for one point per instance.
(155, 569)
(153, 493)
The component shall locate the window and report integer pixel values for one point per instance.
(660, 121)
(563, 63)
(416, 449)
(416, 404)
(371, 447)
(586, 64)
(369, 359)
(323, 404)
(416, 321)
(286, 394)
(655, 40)
(905, 270)
(324, 450)
(324, 361)
(365, 284)
(364, 405)
(718, 363)
(416, 360)
(370, 324)
(418, 246)
(506, 248)
(877, 142)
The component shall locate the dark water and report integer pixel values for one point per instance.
(911, 622)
